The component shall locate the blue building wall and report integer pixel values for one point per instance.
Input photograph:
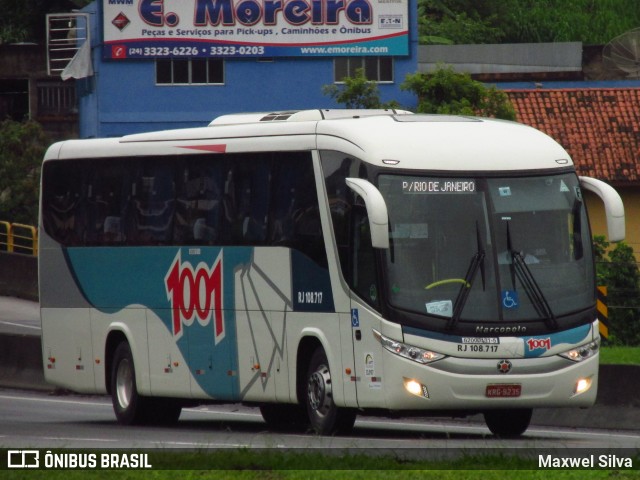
(122, 96)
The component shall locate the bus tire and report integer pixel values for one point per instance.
(128, 405)
(508, 423)
(325, 417)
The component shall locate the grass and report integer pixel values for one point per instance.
(620, 355)
(430, 474)
(249, 465)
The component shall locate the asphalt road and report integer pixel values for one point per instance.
(41, 420)
(19, 316)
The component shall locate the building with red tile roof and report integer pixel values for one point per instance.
(600, 128)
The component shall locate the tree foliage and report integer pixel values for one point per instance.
(448, 92)
(593, 22)
(24, 20)
(443, 92)
(618, 271)
(22, 146)
(357, 92)
(456, 22)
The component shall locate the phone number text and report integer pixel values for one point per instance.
(212, 51)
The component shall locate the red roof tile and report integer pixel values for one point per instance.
(600, 128)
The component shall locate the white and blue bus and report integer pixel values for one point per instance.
(321, 264)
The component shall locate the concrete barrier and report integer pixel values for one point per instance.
(19, 276)
(617, 406)
(21, 362)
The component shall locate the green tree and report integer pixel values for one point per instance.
(623, 296)
(357, 92)
(618, 270)
(22, 146)
(456, 22)
(448, 92)
(24, 20)
(593, 22)
(600, 248)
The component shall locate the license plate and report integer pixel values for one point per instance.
(504, 390)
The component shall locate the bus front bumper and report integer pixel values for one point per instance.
(488, 384)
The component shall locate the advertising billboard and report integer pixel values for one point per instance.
(135, 29)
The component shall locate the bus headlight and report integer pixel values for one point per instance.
(407, 351)
(582, 352)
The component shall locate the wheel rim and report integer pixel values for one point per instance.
(319, 391)
(124, 383)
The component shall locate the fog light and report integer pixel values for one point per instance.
(415, 388)
(582, 385)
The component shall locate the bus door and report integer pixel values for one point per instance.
(365, 304)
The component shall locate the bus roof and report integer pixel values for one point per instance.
(380, 137)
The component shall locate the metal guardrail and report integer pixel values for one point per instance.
(18, 238)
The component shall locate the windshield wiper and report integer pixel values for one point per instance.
(521, 270)
(477, 261)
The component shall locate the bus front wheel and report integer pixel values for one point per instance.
(325, 417)
(508, 423)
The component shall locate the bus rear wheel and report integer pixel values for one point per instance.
(325, 417)
(129, 406)
(508, 423)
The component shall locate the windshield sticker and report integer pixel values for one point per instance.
(504, 191)
(410, 230)
(443, 308)
(510, 299)
(438, 186)
(373, 293)
(563, 187)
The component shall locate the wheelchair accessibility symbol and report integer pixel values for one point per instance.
(510, 299)
(355, 318)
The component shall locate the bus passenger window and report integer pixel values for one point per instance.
(62, 216)
(246, 199)
(105, 204)
(151, 206)
(294, 214)
(199, 203)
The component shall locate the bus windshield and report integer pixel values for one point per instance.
(472, 249)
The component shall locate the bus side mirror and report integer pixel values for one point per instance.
(613, 207)
(376, 209)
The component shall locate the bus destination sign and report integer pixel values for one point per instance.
(438, 186)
